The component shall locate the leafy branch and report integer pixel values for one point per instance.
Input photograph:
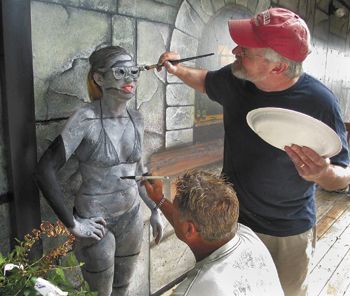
(21, 278)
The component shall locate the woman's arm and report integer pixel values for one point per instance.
(155, 192)
(155, 220)
(46, 177)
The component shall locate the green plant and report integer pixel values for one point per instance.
(20, 280)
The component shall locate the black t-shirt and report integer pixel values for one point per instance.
(274, 199)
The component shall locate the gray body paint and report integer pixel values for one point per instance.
(107, 139)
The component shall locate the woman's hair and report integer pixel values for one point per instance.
(101, 60)
(210, 202)
(294, 68)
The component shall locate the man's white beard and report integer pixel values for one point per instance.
(239, 73)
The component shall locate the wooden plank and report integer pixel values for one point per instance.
(340, 279)
(324, 202)
(331, 217)
(332, 259)
(331, 236)
(175, 161)
(347, 293)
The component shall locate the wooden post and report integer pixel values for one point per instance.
(17, 97)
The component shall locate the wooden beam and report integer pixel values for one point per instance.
(17, 96)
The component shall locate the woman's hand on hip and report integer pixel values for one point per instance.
(89, 228)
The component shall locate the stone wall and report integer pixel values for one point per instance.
(66, 32)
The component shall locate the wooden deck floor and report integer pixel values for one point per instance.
(331, 265)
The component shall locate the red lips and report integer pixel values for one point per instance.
(128, 88)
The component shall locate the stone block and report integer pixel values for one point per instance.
(178, 138)
(151, 142)
(218, 4)
(204, 8)
(152, 41)
(262, 5)
(174, 3)
(179, 95)
(303, 9)
(123, 33)
(67, 91)
(243, 3)
(179, 117)
(183, 44)
(59, 36)
(63, 2)
(252, 5)
(61, 105)
(339, 26)
(291, 5)
(152, 108)
(104, 5)
(321, 27)
(148, 9)
(322, 5)
(46, 133)
(189, 21)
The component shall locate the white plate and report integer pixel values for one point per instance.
(282, 127)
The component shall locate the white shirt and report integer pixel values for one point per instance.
(243, 267)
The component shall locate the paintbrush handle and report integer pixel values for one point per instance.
(151, 177)
(138, 178)
(175, 62)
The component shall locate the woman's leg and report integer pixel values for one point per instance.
(98, 258)
(128, 246)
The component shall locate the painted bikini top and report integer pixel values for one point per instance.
(103, 153)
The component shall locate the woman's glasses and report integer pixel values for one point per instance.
(124, 72)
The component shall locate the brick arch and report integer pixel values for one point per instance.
(194, 15)
(192, 19)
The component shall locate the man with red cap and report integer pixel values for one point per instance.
(276, 189)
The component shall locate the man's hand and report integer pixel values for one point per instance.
(154, 189)
(89, 228)
(164, 58)
(310, 165)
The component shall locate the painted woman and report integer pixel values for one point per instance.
(106, 137)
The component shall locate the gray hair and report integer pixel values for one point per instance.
(295, 69)
(209, 202)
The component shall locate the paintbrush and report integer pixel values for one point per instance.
(138, 178)
(174, 62)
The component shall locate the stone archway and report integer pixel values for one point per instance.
(195, 18)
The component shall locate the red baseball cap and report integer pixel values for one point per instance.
(277, 28)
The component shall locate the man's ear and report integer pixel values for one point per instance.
(279, 68)
(191, 230)
(98, 78)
